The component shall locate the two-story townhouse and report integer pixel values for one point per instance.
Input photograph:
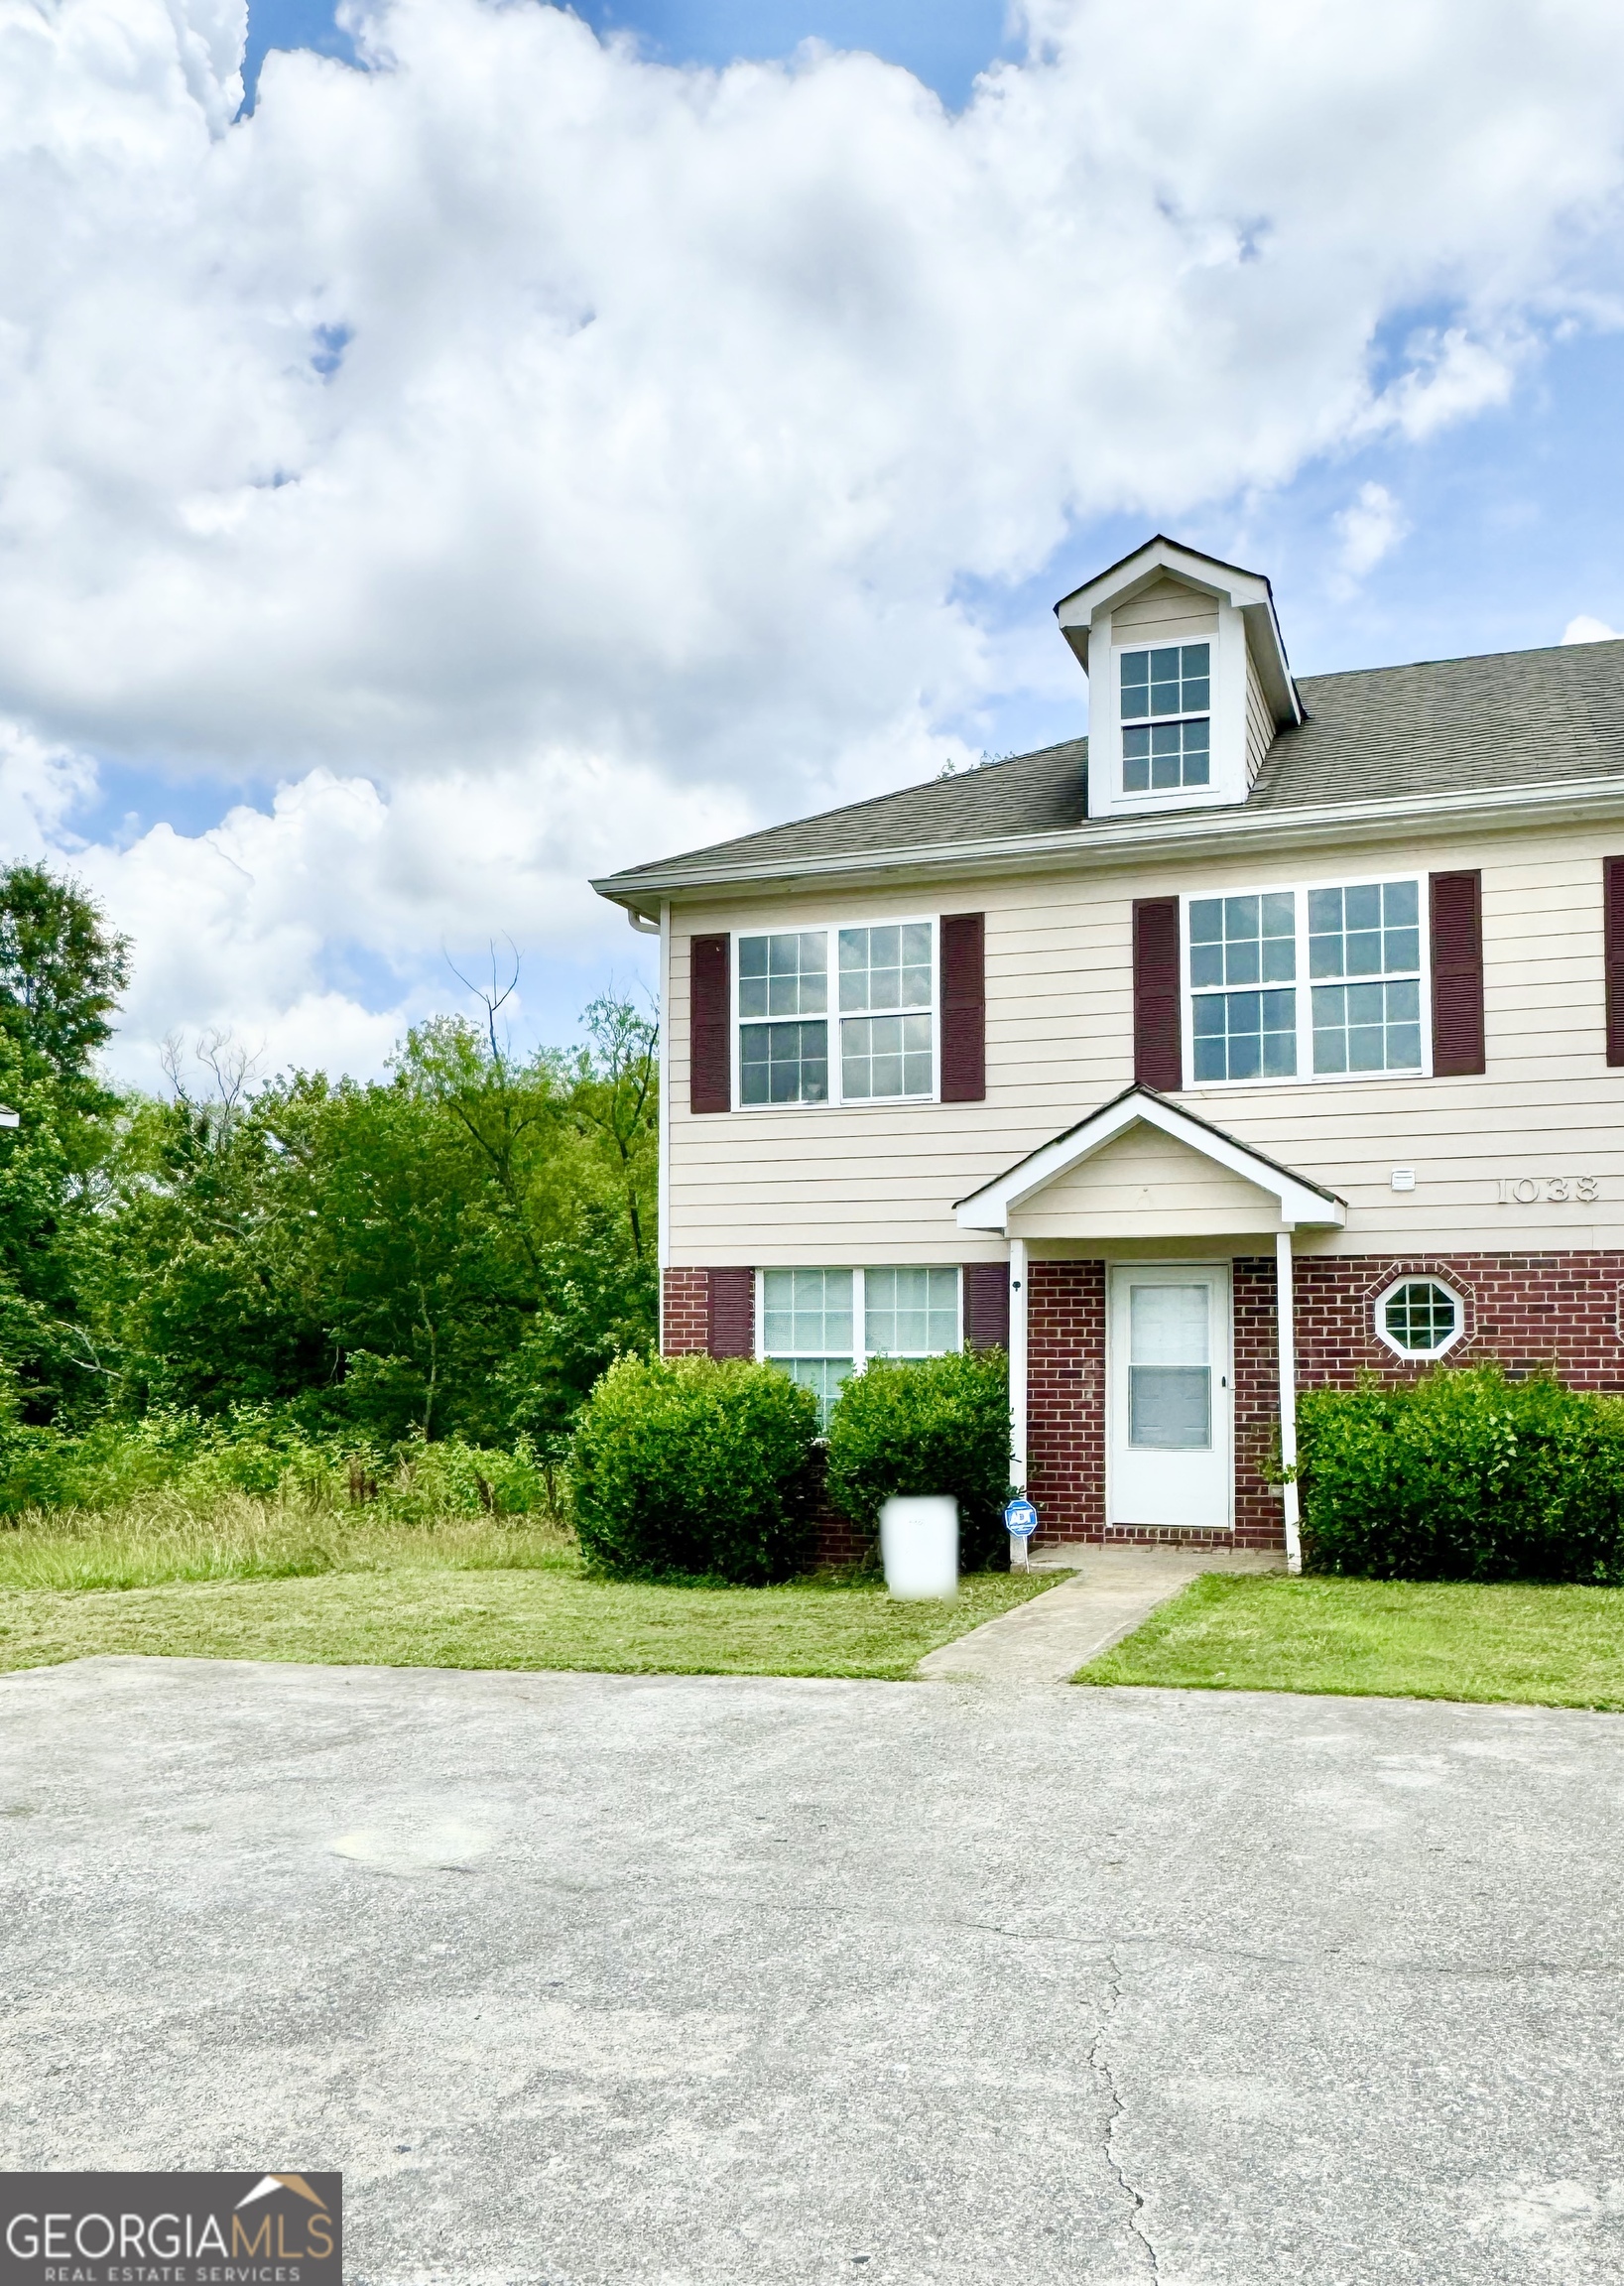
(1273, 1032)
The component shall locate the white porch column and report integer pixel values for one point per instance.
(1284, 1315)
(1017, 1361)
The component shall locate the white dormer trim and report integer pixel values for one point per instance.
(1246, 625)
(1302, 1204)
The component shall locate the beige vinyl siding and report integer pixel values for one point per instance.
(1260, 723)
(1145, 1173)
(879, 1182)
(1166, 612)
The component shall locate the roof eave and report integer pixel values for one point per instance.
(1106, 842)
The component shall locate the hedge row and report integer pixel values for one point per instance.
(703, 1468)
(1463, 1474)
(691, 1468)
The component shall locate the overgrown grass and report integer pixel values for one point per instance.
(165, 1536)
(419, 1605)
(180, 1459)
(1380, 1638)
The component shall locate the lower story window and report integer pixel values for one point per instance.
(822, 1326)
(1420, 1318)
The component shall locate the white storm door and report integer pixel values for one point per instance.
(1168, 1396)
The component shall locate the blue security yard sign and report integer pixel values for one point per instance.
(1020, 1519)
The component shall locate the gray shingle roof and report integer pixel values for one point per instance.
(1445, 726)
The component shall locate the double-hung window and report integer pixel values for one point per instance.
(873, 988)
(1167, 717)
(822, 1326)
(1371, 934)
(1305, 983)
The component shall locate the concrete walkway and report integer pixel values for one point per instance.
(1110, 1591)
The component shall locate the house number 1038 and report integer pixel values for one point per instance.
(1546, 1189)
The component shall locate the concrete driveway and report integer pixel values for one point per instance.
(596, 1978)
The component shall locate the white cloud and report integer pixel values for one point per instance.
(531, 455)
(1584, 629)
(1368, 529)
(257, 925)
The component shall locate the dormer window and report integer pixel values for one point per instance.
(1166, 730)
(1189, 680)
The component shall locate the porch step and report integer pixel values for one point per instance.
(1110, 1590)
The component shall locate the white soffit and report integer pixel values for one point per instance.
(1302, 1204)
(1248, 591)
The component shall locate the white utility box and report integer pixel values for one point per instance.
(918, 1541)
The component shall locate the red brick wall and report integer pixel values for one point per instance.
(1529, 1310)
(686, 1324)
(1259, 1511)
(1564, 1311)
(1066, 1398)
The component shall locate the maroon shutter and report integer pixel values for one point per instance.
(1612, 892)
(732, 1313)
(1158, 1040)
(986, 1305)
(1457, 975)
(963, 1008)
(711, 1059)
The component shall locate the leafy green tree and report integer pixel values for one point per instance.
(459, 1248)
(62, 970)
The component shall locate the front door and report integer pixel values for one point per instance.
(1167, 1395)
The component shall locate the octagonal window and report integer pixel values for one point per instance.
(1420, 1318)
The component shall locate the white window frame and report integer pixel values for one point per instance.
(1305, 1075)
(1418, 1278)
(836, 1099)
(861, 1354)
(1158, 797)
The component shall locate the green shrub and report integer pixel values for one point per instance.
(1463, 1474)
(684, 1468)
(932, 1425)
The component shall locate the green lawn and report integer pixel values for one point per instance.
(1382, 1639)
(427, 1614)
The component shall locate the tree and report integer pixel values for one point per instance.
(615, 1101)
(62, 970)
(461, 1247)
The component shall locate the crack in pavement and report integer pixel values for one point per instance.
(1103, 2074)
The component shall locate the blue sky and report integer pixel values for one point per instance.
(1491, 527)
(945, 45)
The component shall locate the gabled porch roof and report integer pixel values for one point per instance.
(1300, 1202)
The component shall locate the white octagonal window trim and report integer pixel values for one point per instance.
(1420, 1317)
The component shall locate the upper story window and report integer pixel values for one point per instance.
(1372, 933)
(1167, 728)
(1305, 983)
(884, 1014)
(784, 979)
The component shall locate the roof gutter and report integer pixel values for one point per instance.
(1109, 843)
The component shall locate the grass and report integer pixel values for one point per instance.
(1380, 1638)
(257, 1581)
(162, 1538)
